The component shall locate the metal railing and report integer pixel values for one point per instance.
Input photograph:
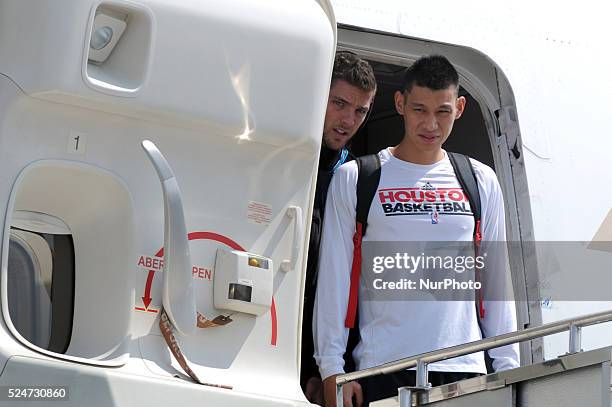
(574, 325)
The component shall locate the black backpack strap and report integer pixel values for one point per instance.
(464, 171)
(467, 179)
(367, 183)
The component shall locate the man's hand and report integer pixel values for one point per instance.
(349, 390)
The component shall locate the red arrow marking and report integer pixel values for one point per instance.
(213, 236)
(146, 299)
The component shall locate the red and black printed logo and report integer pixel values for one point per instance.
(424, 200)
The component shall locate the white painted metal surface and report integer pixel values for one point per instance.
(233, 94)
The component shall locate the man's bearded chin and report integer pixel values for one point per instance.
(325, 144)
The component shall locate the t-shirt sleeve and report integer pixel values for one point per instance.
(335, 259)
(500, 313)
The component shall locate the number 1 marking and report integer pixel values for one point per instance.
(77, 142)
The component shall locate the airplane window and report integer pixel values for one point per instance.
(40, 278)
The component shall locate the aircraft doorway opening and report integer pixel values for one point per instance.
(385, 127)
(475, 134)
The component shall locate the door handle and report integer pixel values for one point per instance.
(294, 213)
(178, 295)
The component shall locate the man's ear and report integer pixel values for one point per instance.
(460, 105)
(399, 102)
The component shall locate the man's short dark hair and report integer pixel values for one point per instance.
(434, 72)
(356, 71)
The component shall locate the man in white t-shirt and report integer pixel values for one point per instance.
(416, 168)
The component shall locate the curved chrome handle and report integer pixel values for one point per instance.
(295, 213)
(178, 295)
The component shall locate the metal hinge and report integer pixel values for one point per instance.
(508, 126)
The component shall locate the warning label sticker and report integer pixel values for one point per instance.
(259, 213)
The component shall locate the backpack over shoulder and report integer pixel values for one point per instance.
(368, 178)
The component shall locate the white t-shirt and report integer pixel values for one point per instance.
(413, 203)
